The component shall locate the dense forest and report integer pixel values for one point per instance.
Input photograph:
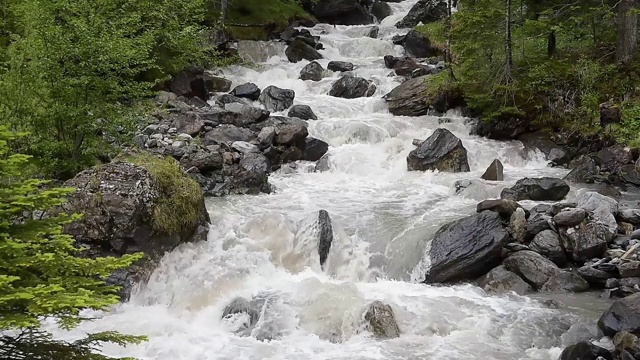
(76, 77)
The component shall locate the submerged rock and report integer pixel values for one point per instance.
(314, 149)
(500, 280)
(312, 71)
(537, 189)
(299, 50)
(325, 236)
(382, 321)
(303, 112)
(494, 172)
(441, 151)
(351, 87)
(623, 315)
(467, 248)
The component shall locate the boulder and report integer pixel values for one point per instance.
(406, 66)
(228, 117)
(537, 189)
(586, 171)
(351, 87)
(625, 341)
(188, 123)
(536, 224)
(380, 10)
(547, 243)
(518, 224)
(500, 280)
(413, 98)
(591, 201)
(266, 136)
(373, 32)
(299, 50)
(613, 158)
(418, 45)
(291, 134)
(224, 99)
(303, 112)
(191, 84)
(623, 315)
(202, 158)
(339, 12)
(325, 235)
(503, 128)
(340, 66)
(494, 172)
(277, 99)
(594, 276)
(586, 241)
(250, 176)
(127, 209)
(256, 114)
(228, 134)
(467, 248)
(216, 83)
(425, 11)
(382, 321)
(631, 216)
(504, 207)
(442, 151)
(314, 149)
(543, 274)
(569, 217)
(312, 71)
(585, 350)
(629, 269)
(248, 90)
(240, 306)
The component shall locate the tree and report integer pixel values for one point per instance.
(508, 45)
(42, 274)
(627, 38)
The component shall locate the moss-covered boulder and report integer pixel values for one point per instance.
(144, 204)
(428, 94)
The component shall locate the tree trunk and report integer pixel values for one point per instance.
(627, 31)
(508, 45)
(223, 11)
(447, 47)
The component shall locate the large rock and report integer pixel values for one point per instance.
(591, 201)
(197, 83)
(240, 306)
(547, 243)
(291, 134)
(251, 175)
(312, 71)
(413, 98)
(228, 134)
(586, 241)
(595, 276)
(504, 207)
(351, 87)
(569, 217)
(518, 224)
(229, 117)
(127, 210)
(623, 315)
(406, 66)
(340, 66)
(314, 149)
(299, 50)
(340, 12)
(418, 45)
(495, 171)
(256, 114)
(537, 189)
(500, 280)
(202, 158)
(325, 235)
(612, 159)
(585, 350)
(503, 128)
(303, 112)
(543, 274)
(467, 248)
(586, 171)
(380, 10)
(382, 321)
(631, 216)
(425, 11)
(277, 99)
(250, 91)
(441, 151)
(188, 123)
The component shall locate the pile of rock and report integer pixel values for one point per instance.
(302, 45)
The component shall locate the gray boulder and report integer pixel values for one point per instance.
(224, 99)
(500, 280)
(351, 87)
(569, 217)
(586, 171)
(251, 175)
(518, 224)
(249, 91)
(256, 114)
(586, 241)
(425, 11)
(495, 171)
(228, 117)
(277, 99)
(542, 274)
(188, 123)
(418, 45)
(291, 134)
(314, 149)
(416, 98)
(547, 243)
(585, 350)
(594, 276)
(299, 50)
(537, 189)
(303, 112)
(591, 200)
(380, 10)
(382, 321)
(340, 66)
(623, 315)
(312, 71)
(504, 207)
(631, 216)
(325, 235)
(228, 134)
(202, 158)
(441, 151)
(467, 248)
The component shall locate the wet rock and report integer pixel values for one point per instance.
(537, 189)
(543, 274)
(228, 134)
(594, 276)
(547, 243)
(324, 164)
(586, 171)
(418, 45)
(277, 99)
(373, 32)
(631, 216)
(251, 175)
(189, 123)
(291, 134)
(536, 224)
(303, 112)
(242, 306)
(380, 10)
(224, 99)
(248, 90)
(255, 114)
(612, 159)
(216, 83)
(415, 98)
(504, 207)
(569, 217)
(467, 248)
(500, 280)
(587, 241)
(625, 341)
(340, 12)
(291, 154)
(382, 321)
(629, 269)
(299, 50)
(190, 84)
(494, 172)
(314, 149)
(623, 315)
(312, 71)
(503, 128)
(591, 201)
(406, 66)
(585, 351)
(202, 158)
(425, 11)
(266, 136)
(340, 66)
(228, 118)
(635, 235)
(325, 235)
(244, 147)
(518, 224)
(351, 87)
(442, 151)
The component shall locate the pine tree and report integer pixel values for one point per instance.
(42, 272)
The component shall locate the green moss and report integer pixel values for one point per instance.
(442, 93)
(180, 204)
(435, 31)
(277, 13)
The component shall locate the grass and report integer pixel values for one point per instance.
(180, 202)
(278, 13)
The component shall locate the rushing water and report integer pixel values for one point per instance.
(384, 218)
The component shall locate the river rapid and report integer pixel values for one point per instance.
(383, 218)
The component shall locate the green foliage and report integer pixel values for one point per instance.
(436, 32)
(180, 194)
(41, 274)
